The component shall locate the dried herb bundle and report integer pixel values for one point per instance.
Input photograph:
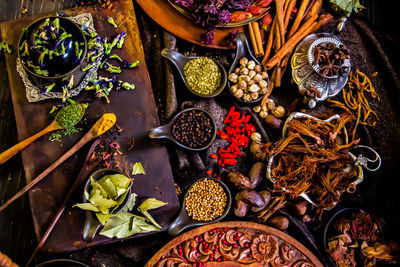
(355, 102)
(311, 159)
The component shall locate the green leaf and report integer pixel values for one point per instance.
(103, 218)
(108, 186)
(96, 186)
(120, 180)
(138, 169)
(132, 201)
(345, 7)
(120, 200)
(87, 206)
(152, 203)
(102, 203)
(126, 224)
(150, 218)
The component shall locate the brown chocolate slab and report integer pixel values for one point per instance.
(136, 114)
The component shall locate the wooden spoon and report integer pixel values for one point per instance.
(9, 153)
(100, 127)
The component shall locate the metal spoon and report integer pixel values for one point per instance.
(9, 153)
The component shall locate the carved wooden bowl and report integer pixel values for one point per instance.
(234, 244)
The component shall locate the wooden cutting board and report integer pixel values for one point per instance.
(136, 113)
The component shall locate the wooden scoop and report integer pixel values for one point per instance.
(100, 127)
(9, 153)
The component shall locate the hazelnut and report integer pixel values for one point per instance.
(264, 75)
(256, 137)
(242, 85)
(243, 61)
(251, 64)
(233, 77)
(257, 77)
(271, 104)
(264, 90)
(247, 97)
(257, 109)
(233, 89)
(237, 71)
(279, 111)
(238, 93)
(263, 84)
(264, 108)
(244, 71)
(258, 68)
(250, 83)
(254, 95)
(252, 73)
(273, 121)
(263, 114)
(254, 88)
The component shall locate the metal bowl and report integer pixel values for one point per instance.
(62, 66)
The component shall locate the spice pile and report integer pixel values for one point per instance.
(249, 80)
(356, 240)
(67, 118)
(205, 200)
(237, 131)
(203, 75)
(330, 59)
(311, 159)
(193, 129)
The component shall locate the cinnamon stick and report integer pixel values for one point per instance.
(253, 38)
(278, 40)
(280, 16)
(304, 30)
(288, 12)
(315, 9)
(323, 19)
(268, 47)
(257, 34)
(299, 18)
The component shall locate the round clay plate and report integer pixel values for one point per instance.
(234, 244)
(170, 19)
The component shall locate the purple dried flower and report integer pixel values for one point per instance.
(208, 37)
(224, 16)
(184, 3)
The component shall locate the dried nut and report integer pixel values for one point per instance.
(271, 104)
(239, 180)
(258, 151)
(258, 68)
(279, 111)
(243, 61)
(256, 174)
(280, 222)
(257, 78)
(264, 75)
(267, 198)
(252, 198)
(256, 136)
(250, 83)
(263, 114)
(237, 71)
(244, 71)
(241, 78)
(246, 79)
(252, 73)
(263, 84)
(241, 208)
(264, 108)
(242, 85)
(251, 65)
(233, 77)
(233, 89)
(238, 93)
(247, 97)
(257, 109)
(264, 90)
(254, 88)
(254, 95)
(299, 206)
(273, 121)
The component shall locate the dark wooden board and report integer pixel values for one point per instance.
(136, 114)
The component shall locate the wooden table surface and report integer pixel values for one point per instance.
(17, 237)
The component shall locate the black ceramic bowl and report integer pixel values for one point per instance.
(60, 67)
(165, 131)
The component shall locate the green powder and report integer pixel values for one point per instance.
(69, 116)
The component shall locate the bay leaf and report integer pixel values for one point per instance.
(102, 203)
(103, 218)
(120, 180)
(151, 203)
(138, 169)
(108, 186)
(96, 186)
(86, 206)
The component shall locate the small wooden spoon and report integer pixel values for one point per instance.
(9, 153)
(100, 127)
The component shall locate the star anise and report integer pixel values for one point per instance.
(330, 59)
(313, 92)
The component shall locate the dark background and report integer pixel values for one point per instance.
(17, 238)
